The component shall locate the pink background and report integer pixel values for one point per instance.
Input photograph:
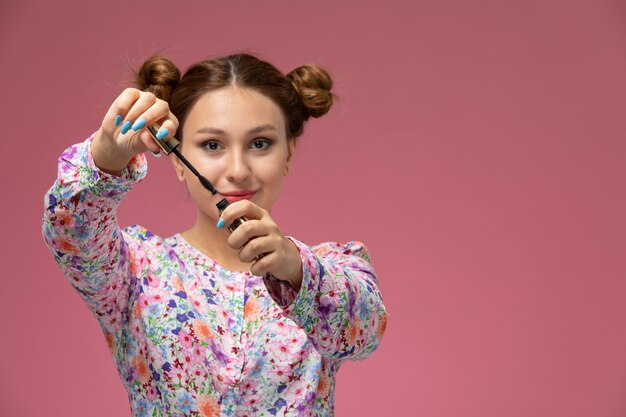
(478, 149)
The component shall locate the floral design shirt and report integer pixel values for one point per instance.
(190, 338)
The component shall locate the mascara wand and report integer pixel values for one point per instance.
(170, 146)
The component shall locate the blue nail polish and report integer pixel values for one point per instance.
(162, 133)
(220, 223)
(139, 123)
(118, 120)
(125, 127)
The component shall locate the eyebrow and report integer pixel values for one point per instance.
(252, 131)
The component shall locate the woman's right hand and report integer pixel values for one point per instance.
(122, 134)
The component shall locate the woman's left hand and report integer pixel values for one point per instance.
(261, 236)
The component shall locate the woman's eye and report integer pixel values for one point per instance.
(212, 146)
(261, 144)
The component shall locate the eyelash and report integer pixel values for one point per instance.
(210, 142)
(268, 143)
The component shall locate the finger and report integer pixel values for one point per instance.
(256, 248)
(170, 122)
(136, 143)
(263, 265)
(125, 101)
(119, 108)
(158, 112)
(248, 230)
(133, 120)
(148, 142)
(242, 208)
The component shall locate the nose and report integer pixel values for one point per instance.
(237, 167)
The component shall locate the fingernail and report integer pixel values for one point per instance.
(220, 223)
(118, 120)
(139, 123)
(125, 127)
(162, 133)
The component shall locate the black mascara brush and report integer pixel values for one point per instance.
(171, 146)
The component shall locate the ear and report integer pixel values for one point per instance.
(179, 168)
(291, 149)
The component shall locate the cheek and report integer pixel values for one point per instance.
(272, 172)
(271, 176)
(208, 169)
(211, 169)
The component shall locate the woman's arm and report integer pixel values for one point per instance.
(80, 228)
(339, 305)
(79, 223)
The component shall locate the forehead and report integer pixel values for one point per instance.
(234, 110)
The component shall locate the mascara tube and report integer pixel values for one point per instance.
(221, 206)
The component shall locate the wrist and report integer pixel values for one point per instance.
(295, 278)
(296, 282)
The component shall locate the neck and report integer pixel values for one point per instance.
(213, 242)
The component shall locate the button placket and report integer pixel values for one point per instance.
(235, 363)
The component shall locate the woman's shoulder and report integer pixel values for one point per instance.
(173, 246)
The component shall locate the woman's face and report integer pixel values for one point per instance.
(236, 138)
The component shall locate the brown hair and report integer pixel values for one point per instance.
(301, 94)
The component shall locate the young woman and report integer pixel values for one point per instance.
(208, 322)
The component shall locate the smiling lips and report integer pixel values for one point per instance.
(238, 195)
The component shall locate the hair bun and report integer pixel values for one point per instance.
(313, 85)
(159, 76)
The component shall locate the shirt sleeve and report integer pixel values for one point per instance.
(81, 231)
(339, 304)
